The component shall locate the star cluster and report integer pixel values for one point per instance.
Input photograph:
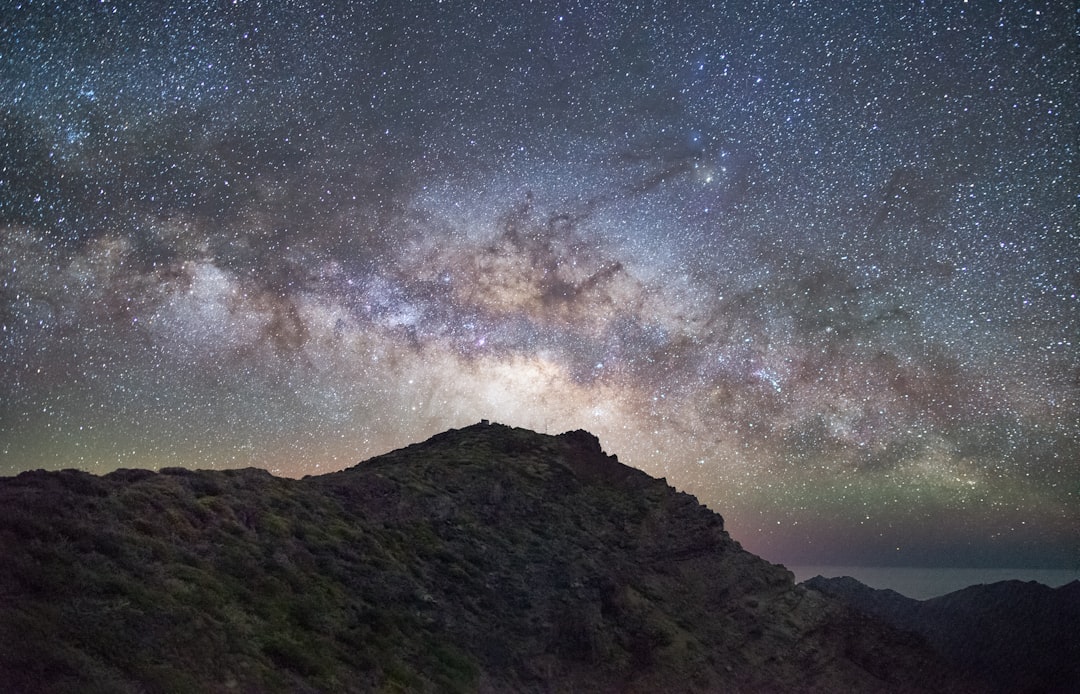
(817, 265)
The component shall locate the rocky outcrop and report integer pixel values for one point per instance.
(1014, 636)
(484, 559)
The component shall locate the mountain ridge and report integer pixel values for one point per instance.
(483, 559)
(1018, 635)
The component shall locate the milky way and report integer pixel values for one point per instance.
(817, 265)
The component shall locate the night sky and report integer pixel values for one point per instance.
(816, 263)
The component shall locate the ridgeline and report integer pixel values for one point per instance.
(484, 559)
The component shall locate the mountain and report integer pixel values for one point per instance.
(1019, 636)
(485, 559)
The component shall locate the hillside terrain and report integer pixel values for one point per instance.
(1019, 636)
(485, 559)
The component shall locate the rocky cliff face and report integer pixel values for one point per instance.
(485, 559)
(1015, 636)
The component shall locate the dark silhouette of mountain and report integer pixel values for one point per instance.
(1018, 636)
(485, 559)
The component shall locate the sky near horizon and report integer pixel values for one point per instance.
(817, 264)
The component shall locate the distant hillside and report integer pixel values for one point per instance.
(486, 559)
(1022, 637)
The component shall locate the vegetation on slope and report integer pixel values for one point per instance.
(485, 559)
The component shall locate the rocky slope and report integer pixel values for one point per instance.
(1018, 636)
(485, 559)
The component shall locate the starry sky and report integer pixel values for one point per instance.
(816, 263)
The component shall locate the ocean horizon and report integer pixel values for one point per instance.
(923, 583)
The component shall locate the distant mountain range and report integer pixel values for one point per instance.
(486, 559)
(1016, 636)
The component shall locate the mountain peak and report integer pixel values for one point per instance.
(485, 558)
(577, 452)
